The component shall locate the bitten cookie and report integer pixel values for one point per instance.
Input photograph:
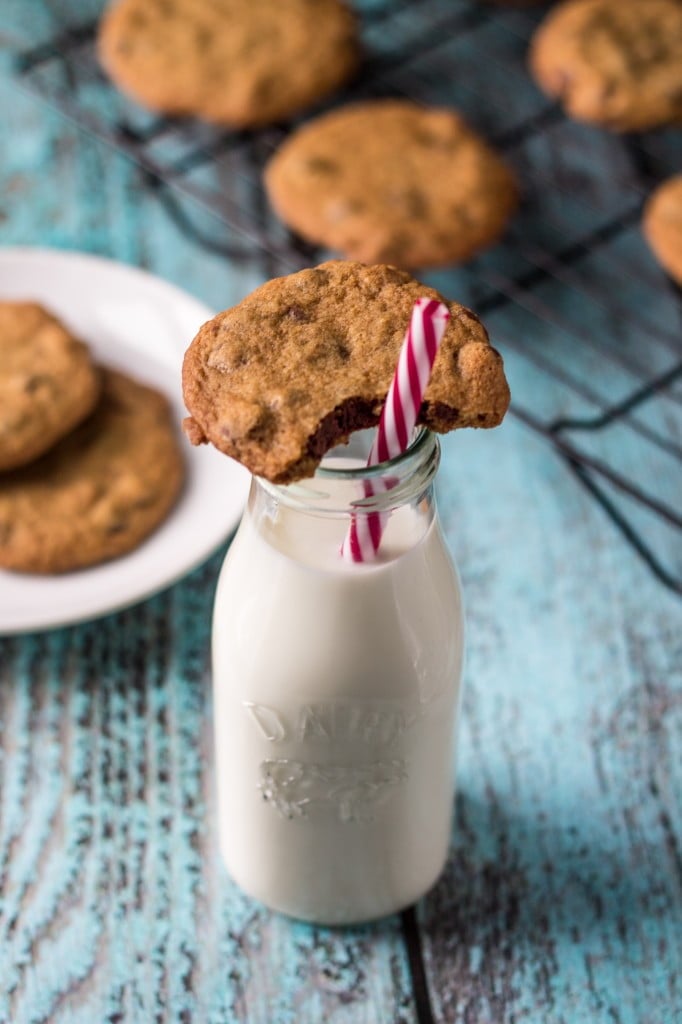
(307, 359)
(235, 62)
(662, 225)
(100, 491)
(616, 63)
(392, 182)
(48, 383)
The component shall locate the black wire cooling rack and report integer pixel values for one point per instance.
(588, 323)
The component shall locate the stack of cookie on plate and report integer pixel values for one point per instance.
(389, 180)
(89, 459)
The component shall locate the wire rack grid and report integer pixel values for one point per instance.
(588, 323)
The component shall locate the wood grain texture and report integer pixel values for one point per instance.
(561, 900)
(114, 903)
(562, 897)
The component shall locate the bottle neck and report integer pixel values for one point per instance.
(344, 485)
(309, 521)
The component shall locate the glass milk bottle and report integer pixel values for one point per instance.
(336, 691)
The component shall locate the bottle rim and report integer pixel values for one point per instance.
(414, 450)
(399, 481)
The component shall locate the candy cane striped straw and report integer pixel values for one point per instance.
(398, 418)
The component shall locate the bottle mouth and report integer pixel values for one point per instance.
(391, 467)
(340, 490)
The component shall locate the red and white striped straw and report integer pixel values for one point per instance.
(398, 418)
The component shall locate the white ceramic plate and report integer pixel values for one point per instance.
(140, 324)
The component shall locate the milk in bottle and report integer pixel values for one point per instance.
(336, 691)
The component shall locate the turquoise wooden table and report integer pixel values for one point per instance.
(561, 901)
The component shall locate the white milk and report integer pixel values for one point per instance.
(336, 694)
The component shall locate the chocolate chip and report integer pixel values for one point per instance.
(461, 214)
(144, 502)
(609, 89)
(265, 427)
(298, 314)
(265, 88)
(448, 415)
(413, 201)
(240, 358)
(321, 165)
(319, 276)
(31, 384)
(329, 348)
(396, 248)
(298, 396)
(434, 140)
(203, 37)
(394, 276)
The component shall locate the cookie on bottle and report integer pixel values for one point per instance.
(306, 359)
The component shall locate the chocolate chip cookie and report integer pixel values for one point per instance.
(307, 359)
(100, 491)
(616, 63)
(48, 383)
(662, 225)
(392, 182)
(234, 62)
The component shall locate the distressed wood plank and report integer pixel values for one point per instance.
(563, 889)
(563, 894)
(114, 903)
